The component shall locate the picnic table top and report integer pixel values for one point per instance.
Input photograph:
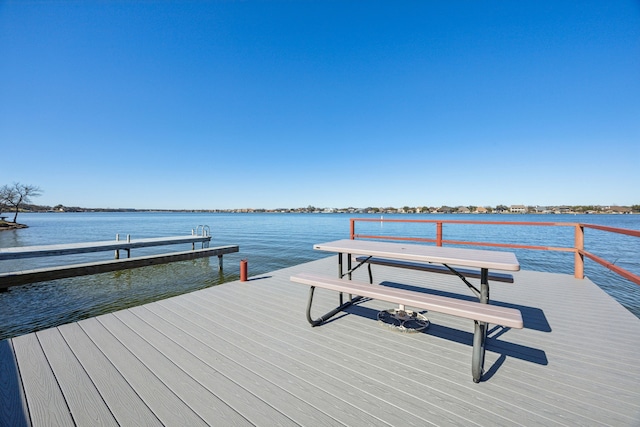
(490, 259)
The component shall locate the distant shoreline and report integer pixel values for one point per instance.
(337, 211)
(444, 209)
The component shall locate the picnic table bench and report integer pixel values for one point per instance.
(476, 311)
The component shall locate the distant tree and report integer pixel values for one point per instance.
(472, 208)
(3, 204)
(6, 194)
(16, 195)
(635, 208)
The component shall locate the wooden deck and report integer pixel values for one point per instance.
(242, 353)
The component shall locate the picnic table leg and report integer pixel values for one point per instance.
(484, 286)
(477, 359)
(480, 330)
(339, 274)
(320, 320)
(349, 269)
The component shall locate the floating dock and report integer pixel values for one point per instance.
(242, 353)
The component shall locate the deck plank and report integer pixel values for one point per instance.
(85, 403)
(168, 407)
(125, 404)
(198, 382)
(256, 359)
(261, 396)
(46, 402)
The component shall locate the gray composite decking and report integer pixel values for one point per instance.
(242, 353)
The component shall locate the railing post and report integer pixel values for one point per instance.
(578, 256)
(439, 233)
(353, 228)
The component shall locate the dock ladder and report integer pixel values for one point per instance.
(202, 230)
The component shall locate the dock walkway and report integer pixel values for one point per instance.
(86, 247)
(23, 277)
(242, 353)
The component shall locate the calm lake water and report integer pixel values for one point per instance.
(269, 242)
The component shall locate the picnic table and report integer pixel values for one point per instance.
(482, 313)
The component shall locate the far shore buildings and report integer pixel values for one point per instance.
(500, 209)
(618, 209)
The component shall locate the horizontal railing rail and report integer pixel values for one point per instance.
(577, 249)
(611, 266)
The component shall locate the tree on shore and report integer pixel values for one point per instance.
(15, 195)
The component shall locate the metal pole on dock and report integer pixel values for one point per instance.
(243, 270)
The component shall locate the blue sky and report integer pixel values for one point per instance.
(258, 104)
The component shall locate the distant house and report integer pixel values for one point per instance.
(481, 210)
(518, 209)
(463, 210)
(618, 209)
